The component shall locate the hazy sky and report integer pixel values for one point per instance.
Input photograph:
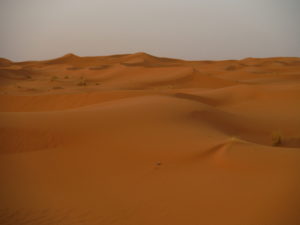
(190, 29)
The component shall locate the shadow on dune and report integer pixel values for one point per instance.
(247, 129)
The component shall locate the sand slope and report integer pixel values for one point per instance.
(138, 139)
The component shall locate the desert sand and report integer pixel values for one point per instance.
(142, 140)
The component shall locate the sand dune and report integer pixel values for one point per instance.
(139, 139)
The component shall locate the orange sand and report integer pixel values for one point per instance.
(141, 140)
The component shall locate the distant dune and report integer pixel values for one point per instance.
(142, 140)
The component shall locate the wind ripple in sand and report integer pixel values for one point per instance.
(50, 217)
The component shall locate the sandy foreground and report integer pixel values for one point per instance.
(142, 140)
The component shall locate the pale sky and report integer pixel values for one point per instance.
(188, 29)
